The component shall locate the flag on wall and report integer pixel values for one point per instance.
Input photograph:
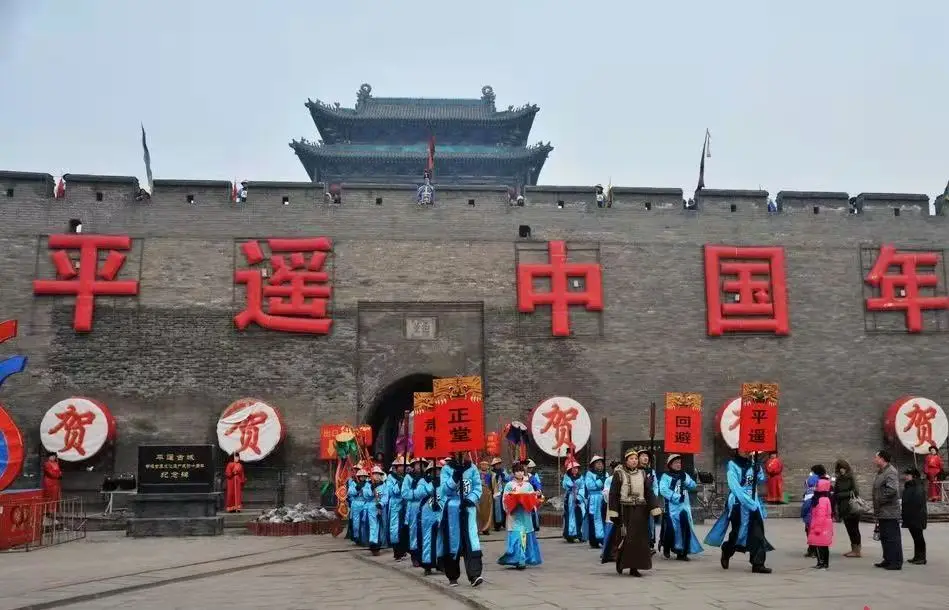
(431, 156)
(148, 160)
(706, 153)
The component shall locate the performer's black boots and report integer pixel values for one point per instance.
(760, 570)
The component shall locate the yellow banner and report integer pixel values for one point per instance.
(448, 388)
(684, 400)
(422, 401)
(759, 392)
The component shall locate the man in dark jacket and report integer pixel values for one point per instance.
(886, 509)
(914, 513)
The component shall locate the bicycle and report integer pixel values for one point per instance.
(708, 497)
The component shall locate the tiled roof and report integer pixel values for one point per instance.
(419, 151)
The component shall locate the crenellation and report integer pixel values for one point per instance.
(101, 188)
(885, 203)
(15, 185)
(798, 202)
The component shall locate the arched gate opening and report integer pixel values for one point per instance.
(387, 412)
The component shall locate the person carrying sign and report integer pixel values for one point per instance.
(460, 491)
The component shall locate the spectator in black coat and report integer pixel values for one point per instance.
(914, 513)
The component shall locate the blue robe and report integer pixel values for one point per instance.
(350, 494)
(535, 482)
(396, 509)
(678, 531)
(574, 496)
(359, 503)
(743, 510)
(522, 547)
(806, 501)
(460, 517)
(655, 492)
(430, 519)
(499, 479)
(593, 523)
(376, 515)
(608, 528)
(412, 512)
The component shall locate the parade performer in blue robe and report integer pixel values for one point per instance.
(361, 494)
(499, 478)
(398, 531)
(431, 516)
(744, 513)
(593, 482)
(574, 501)
(412, 512)
(350, 494)
(377, 511)
(608, 527)
(520, 501)
(534, 479)
(677, 534)
(645, 459)
(460, 491)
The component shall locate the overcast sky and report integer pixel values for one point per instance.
(845, 95)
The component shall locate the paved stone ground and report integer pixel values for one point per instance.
(237, 571)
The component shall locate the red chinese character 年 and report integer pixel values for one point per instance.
(759, 299)
(561, 422)
(908, 280)
(298, 292)
(921, 419)
(560, 297)
(73, 423)
(250, 431)
(86, 279)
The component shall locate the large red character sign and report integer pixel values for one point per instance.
(908, 280)
(560, 297)
(756, 300)
(298, 292)
(86, 279)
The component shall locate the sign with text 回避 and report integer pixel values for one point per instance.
(683, 422)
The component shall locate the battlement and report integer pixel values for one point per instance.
(30, 188)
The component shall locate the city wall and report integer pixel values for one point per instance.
(168, 361)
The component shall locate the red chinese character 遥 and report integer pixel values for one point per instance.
(921, 419)
(297, 293)
(560, 297)
(561, 422)
(909, 280)
(250, 431)
(73, 423)
(761, 305)
(87, 280)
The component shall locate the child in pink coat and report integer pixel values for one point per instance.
(820, 534)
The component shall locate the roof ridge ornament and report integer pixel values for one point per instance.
(364, 94)
(487, 95)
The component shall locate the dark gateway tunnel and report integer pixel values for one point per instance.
(386, 414)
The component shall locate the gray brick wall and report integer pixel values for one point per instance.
(168, 361)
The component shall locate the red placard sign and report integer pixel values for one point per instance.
(424, 435)
(758, 422)
(459, 425)
(683, 430)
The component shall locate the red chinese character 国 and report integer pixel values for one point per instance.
(908, 280)
(759, 290)
(250, 431)
(73, 423)
(296, 294)
(560, 297)
(561, 422)
(87, 279)
(921, 419)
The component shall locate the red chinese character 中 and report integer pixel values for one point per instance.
(560, 297)
(86, 280)
(73, 423)
(298, 291)
(250, 431)
(921, 419)
(909, 280)
(761, 305)
(561, 422)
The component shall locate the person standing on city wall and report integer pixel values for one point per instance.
(886, 510)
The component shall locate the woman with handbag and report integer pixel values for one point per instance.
(849, 505)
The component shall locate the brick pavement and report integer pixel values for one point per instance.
(237, 572)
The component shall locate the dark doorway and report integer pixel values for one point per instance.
(385, 416)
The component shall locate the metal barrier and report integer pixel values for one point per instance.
(34, 525)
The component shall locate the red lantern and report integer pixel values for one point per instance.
(492, 444)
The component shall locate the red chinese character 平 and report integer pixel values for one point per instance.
(87, 279)
(561, 422)
(296, 294)
(760, 303)
(560, 297)
(73, 423)
(909, 279)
